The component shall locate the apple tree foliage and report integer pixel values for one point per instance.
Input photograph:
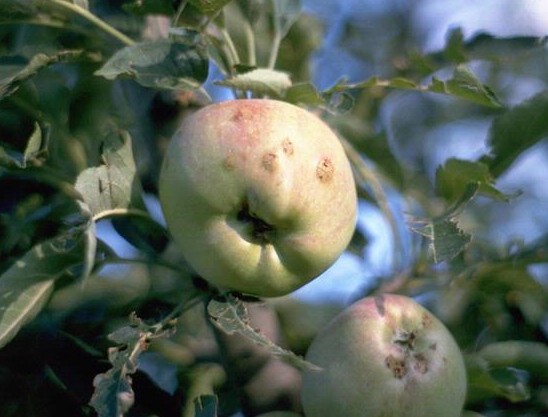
(90, 93)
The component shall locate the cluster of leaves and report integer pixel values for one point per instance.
(88, 98)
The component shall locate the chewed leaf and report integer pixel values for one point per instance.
(260, 81)
(230, 315)
(113, 395)
(447, 240)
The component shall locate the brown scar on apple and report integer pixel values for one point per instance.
(397, 366)
(421, 364)
(325, 170)
(269, 162)
(229, 163)
(287, 147)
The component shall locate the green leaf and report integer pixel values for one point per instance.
(209, 7)
(159, 64)
(230, 315)
(304, 93)
(463, 84)
(114, 183)
(19, 305)
(206, 406)
(10, 84)
(486, 381)
(455, 175)
(521, 354)
(260, 81)
(113, 395)
(25, 287)
(447, 240)
(517, 130)
(34, 147)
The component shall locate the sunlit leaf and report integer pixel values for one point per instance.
(25, 287)
(111, 184)
(19, 305)
(260, 81)
(230, 315)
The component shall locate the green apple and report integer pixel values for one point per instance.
(258, 194)
(384, 356)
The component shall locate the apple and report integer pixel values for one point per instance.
(384, 356)
(258, 194)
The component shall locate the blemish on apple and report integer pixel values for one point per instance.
(325, 170)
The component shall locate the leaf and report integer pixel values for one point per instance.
(18, 306)
(260, 81)
(113, 395)
(463, 84)
(515, 131)
(447, 240)
(486, 381)
(10, 84)
(113, 183)
(33, 148)
(230, 315)
(304, 93)
(206, 406)
(521, 354)
(209, 7)
(455, 175)
(25, 287)
(159, 64)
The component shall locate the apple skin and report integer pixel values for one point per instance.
(384, 356)
(258, 194)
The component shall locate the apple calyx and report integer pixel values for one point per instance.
(257, 229)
